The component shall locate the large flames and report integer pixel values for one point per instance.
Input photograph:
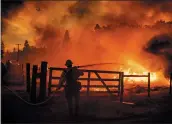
(45, 23)
(136, 69)
(153, 76)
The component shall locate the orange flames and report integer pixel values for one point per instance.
(138, 70)
(133, 68)
(153, 76)
(77, 16)
(44, 24)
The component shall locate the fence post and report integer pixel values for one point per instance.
(50, 81)
(122, 86)
(119, 84)
(33, 86)
(170, 82)
(22, 67)
(28, 77)
(88, 84)
(149, 84)
(23, 74)
(43, 80)
(107, 88)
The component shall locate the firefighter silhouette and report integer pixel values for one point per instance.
(72, 87)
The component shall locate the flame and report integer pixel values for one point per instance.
(46, 26)
(137, 69)
(153, 76)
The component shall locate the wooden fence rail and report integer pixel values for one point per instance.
(84, 70)
(89, 79)
(117, 87)
(91, 86)
(170, 84)
(148, 76)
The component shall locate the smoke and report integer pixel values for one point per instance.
(44, 23)
(81, 9)
(161, 45)
(47, 36)
(8, 9)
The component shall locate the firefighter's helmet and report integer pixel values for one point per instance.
(68, 62)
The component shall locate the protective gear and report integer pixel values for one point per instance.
(72, 86)
(79, 85)
(76, 73)
(69, 62)
(72, 90)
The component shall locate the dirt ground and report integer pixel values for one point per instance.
(96, 109)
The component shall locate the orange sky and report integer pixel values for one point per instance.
(44, 24)
(75, 15)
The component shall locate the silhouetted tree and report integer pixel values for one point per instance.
(14, 50)
(7, 52)
(97, 27)
(2, 54)
(3, 46)
(66, 38)
(26, 46)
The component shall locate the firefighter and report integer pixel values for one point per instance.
(72, 87)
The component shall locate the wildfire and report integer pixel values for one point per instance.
(117, 37)
(137, 69)
(153, 76)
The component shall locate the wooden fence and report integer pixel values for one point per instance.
(148, 76)
(118, 83)
(31, 81)
(119, 86)
(170, 83)
(88, 79)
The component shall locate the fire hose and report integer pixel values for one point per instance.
(82, 66)
(40, 103)
(32, 104)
